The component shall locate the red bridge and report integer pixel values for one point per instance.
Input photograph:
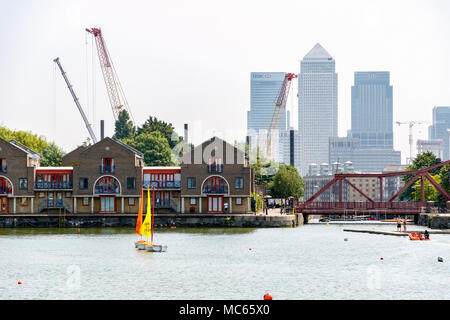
(380, 206)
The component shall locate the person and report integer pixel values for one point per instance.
(399, 227)
(404, 225)
(427, 235)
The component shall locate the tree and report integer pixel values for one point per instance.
(444, 176)
(430, 192)
(51, 155)
(124, 128)
(152, 124)
(154, 146)
(422, 161)
(286, 183)
(32, 141)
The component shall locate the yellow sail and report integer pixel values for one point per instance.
(146, 228)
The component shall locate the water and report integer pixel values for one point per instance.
(309, 262)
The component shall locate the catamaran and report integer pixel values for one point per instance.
(146, 227)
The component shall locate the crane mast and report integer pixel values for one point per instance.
(280, 103)
(77, 102)
(411, 125)
(114, 89)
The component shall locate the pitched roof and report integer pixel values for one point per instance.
(24, 148)
(318, 53)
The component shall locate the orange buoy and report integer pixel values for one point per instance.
(381, 258)
(250, 249)
(20, 282)
(267, 297)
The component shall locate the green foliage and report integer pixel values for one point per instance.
(152, 124)
(257, 202)
(51, 156)
(154, 146)
(286, 183)
(32, 141)
(124, 128)
(430, 192)
(422, 161)
(445, 181)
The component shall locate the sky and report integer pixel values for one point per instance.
(190, 61)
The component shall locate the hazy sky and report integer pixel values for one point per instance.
(190, 61)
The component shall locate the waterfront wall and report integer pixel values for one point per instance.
(161, 220)
(434, 221)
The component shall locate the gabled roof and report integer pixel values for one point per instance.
(318, 53)
(24, 148)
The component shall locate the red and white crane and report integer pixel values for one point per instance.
(113, 87)
(280, 104)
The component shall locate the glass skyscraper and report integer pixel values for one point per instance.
(438, 130)
(372, 111)
(317, 106)
(264, 90)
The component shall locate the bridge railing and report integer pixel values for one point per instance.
(363, 205)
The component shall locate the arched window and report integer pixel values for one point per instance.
(5, 186)
(215, 184)
(107, 185)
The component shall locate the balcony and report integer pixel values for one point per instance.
(166, 204)
(215, 168)
(107, 169)
(107, 189)
(53, 204)
(3, 169)
(215, 189)
(162, 184)
(53, 185)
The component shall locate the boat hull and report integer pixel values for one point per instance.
(156, 248)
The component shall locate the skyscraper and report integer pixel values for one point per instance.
(317, 106)
(264, 89)
(438, 130)
(369, 144)
(372, 103)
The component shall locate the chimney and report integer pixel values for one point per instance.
(102, 129)
(291, 147)
(186, 132)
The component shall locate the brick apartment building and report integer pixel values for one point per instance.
(107, 177)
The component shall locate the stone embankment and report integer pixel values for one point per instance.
(161, 220)
(434, 221)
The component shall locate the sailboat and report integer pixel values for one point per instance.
(139, 219)
(150, 246)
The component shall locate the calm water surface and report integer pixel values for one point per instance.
(308, 262)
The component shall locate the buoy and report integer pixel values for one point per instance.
(440, 259)
(381, 258)
(327, 224)
(250, 249)
(20, 282)
(267, 297)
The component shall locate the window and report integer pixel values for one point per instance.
(193, 201)
(238, 201)
(84, 183)
(191, 183)
(239, 183)
(131, 201)
(68, 194)
(131, 183)
(85, 201)
(41, 195)
(23, 183)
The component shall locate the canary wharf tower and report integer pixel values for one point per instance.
(317, 106)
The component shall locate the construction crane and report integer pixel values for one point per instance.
(77, 102)
(280, 103)
(411, 125)
(114, 89)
